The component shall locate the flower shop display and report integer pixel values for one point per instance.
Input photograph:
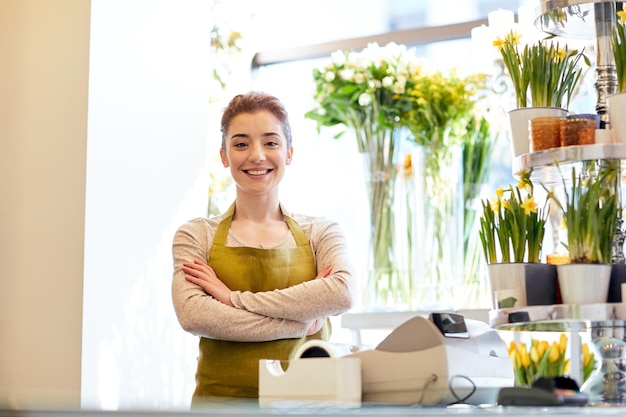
(512, 229)
(367, 93)
(590, 210)
(544, 76)
(617, 102)
(377, 94)
(541, 358)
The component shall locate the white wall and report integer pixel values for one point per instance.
(108, 96)
(44, 47)
(146, 175)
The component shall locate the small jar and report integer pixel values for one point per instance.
(544, 133)
(593, 116)
(578, 131)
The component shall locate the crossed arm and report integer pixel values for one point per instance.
(206, 307)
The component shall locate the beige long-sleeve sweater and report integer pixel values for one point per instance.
(262, 316)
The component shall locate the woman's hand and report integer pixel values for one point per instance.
(205, 277)
(315, 327)
(325, 272)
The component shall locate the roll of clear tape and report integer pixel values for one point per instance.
(315, 349)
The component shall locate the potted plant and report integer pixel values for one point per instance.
(617, 102)
(590, 210)
(511, 232)
(544, 76)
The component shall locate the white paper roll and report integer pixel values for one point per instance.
(315, 349)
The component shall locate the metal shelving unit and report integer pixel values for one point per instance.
(585, 19)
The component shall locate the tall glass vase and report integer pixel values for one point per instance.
(476, 287)
(388, 284)
(439, 217)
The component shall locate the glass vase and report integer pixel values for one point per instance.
(388, 285)
(439, 216)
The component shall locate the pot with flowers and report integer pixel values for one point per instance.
(366, 93)
(511, 232)
(544, 76)
(617, 102)
(590, 210)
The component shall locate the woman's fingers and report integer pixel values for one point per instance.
(315, 327)
(325, 272)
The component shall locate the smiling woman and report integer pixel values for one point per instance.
(148, 84)
(256, 273)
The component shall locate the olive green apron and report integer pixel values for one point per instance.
(231, 369)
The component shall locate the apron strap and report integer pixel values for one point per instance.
(222, 229)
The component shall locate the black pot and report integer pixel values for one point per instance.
(541, 284)
(618, 277)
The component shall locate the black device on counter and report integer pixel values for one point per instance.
(450, 324)
(555, 391)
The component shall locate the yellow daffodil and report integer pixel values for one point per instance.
(523, 185)
(560, 53)
(622, 14)
(494, 204)
(498, 42)
(529, 206)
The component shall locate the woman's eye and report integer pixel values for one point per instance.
(271, 144)
(239, 145)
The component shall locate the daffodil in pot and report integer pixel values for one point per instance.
(544, 76)
(512, 230)
(590, 209)
(617, 102)
(365, 94)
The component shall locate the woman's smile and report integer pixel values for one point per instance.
(257, 172)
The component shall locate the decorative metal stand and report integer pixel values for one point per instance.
(573, 19)
(608, 383)
(588, 19)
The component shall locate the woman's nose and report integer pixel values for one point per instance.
(256, 153)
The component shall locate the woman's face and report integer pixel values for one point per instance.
(255, 149)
